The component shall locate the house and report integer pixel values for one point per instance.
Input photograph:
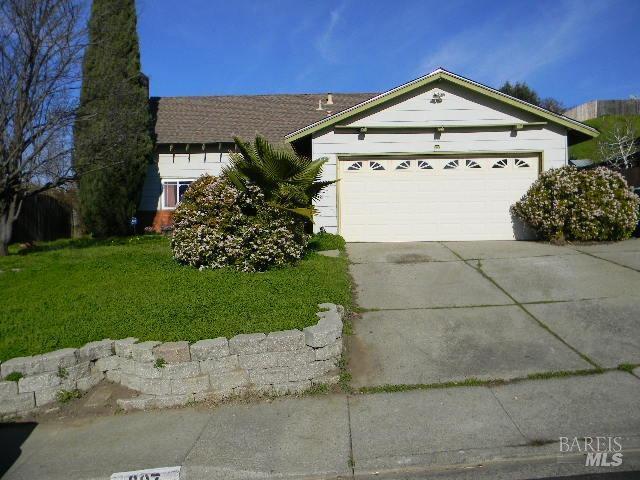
(439, 158)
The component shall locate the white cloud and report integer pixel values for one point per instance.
(325, 42)
(506, 50)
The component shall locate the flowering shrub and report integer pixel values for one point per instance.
(571, 204)
(216, 225)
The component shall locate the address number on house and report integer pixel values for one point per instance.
(164, 473)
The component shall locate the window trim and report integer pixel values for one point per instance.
(177, 181)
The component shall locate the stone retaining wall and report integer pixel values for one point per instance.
(176, 373)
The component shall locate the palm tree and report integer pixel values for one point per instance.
(287, 181)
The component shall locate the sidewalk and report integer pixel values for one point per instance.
(509, 431)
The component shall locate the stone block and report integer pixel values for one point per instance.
(41, 381)
(333, 350)
(210, 348)
(25, 365)
(262, 390)
(267, 376)
(248, 343)
(173, 352)
(284, 341)
(90, 381)
(139, 369)
(95, 350)
(46, 396)
(77, 371)
(143, 352)
(130, 381)
(331, 319)
(217, 366)
(229, 380)
(107, 363)
(63, 358)
(310, 370)
(291, 387)
(154, 386)
(321, 335)
(144, 402)
(180, 370)
(276, 359)
(8, 390)
(50, 395)
(167, 401)
(124, 347)
(326, 379)
(137, 403)
(17, 403)
(113, 376)
(180, 386)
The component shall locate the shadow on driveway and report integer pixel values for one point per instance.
(12, 436)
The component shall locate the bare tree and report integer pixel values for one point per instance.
(619, 146)
(41, 44)
(552, 104)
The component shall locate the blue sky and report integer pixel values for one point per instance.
(569, 49)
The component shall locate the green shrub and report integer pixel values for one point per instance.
(65, 396)
(584, 205)
(326, 241)
(216, 225)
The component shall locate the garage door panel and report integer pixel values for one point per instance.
(413, 204)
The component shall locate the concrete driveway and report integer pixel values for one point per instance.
(446, 311)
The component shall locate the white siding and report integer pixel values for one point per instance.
(458, 106)
(176, 166)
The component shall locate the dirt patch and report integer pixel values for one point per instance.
(98, 402)
(360, 363)
(409, 258)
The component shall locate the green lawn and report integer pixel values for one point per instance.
(70, 293)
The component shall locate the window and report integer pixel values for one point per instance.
(355, 166)
(424, 165)
(376, 166)
(500, 164)
(453, 164)
(472, 164)
(172, 192)
(521, 163)
(405, 164)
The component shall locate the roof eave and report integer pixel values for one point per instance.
(430, 78)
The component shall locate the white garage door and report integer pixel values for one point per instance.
(419, 199)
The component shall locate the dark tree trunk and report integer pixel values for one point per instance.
(8, 216)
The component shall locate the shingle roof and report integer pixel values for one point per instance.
(220, 118)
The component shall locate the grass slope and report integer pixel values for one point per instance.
(589, 148)
(70, 293)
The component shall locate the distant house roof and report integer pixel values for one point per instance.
(220, 118)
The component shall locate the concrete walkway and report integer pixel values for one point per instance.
(508, 431)
(438, 312)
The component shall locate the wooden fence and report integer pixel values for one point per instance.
(42, 218)
(632, 176)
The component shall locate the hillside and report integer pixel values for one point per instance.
(589, 149)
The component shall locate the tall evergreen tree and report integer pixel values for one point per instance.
(112, 134)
